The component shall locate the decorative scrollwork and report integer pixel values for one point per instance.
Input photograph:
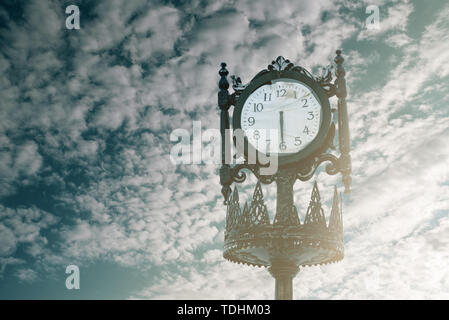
(308, 171)
(303, 71)
(325, 80)
(237, 84)
(304, 173)
(239, 176)
(326, 74)
(280, 64)
(286, 176)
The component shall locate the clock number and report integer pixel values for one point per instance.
(305, 103)
(258, 107)
(268, 145)
(282, 145)
(267, 97)
(298, 141)
(306, 130)
(251, 121)
(311, 116)
(281, 93)
(294, 93)
(256, 135)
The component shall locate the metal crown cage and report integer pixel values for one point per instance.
(285, 244)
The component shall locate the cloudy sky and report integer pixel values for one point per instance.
(85, 123)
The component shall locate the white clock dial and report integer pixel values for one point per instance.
(283, 117)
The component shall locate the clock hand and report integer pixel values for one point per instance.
(288, 104)
(285, 105)
(281, 119)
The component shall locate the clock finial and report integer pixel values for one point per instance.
(280, 64)
(343, 122)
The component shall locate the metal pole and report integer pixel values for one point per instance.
(283, 272)
(282, 269)
(285, 178)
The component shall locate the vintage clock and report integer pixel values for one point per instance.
(284, 113)
(284, 110)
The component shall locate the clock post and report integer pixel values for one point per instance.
(298, 108)
(283, 269)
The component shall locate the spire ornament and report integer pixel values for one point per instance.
(315, 213)
(287, 217)
(245, 218)
(258, 210)
(233, 211)
(335, 220)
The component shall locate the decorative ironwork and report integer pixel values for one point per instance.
(237, 175)
(258, 212)
(285, 244)
(287, 217)
(325, 80)
(303, 71)
(309, 169)
(315, 213)
(343, 123)
(251, 239)
(285, 209)
(225, 180)
(280, 64)
(245, 219)
(224, 105)
(237, 84)
(326, 74)
(336, 220)
(233, 211)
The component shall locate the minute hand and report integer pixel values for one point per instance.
(281, 118)
(285, 105)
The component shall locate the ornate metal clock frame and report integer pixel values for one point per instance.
(292, 74)
(286, 244)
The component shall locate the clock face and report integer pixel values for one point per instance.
(283, 117)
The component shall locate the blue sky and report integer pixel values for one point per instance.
(85, 121)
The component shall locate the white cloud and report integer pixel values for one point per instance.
(397, 216)
(23, 227)
(395, 19)
(398, 40)
(8, 241)
(18, 162)
(27, 275)
(137, 209)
